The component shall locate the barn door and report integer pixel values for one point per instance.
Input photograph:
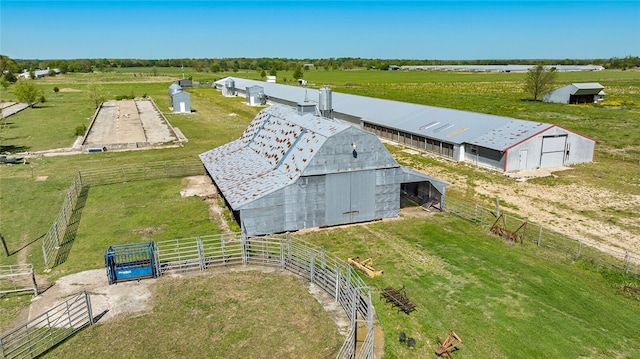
(553, 151)
(350, 197)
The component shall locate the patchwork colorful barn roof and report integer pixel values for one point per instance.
(271, 153)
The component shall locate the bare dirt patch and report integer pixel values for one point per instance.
(68, 89)
(568, 209)
(203, 187)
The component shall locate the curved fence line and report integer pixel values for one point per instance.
(310, 262)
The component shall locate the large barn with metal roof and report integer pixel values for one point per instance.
(497, 142)
(292, 170)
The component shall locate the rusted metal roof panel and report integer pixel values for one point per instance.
(271, 153)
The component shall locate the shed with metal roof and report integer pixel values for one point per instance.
(497, 142)
(290, 171)
(179, 100)
(576, 93)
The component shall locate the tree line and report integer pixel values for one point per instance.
(15, 66)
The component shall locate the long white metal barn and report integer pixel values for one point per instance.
(292, 170)
(497, 142)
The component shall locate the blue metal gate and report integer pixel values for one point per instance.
(134, 261)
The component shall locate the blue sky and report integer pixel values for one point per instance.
(445, 30)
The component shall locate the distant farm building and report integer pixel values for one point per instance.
(500, 68)
(37, 73)
(290, 171)
(185, 83)
(179, 100)
(497, 142)
(577, 93)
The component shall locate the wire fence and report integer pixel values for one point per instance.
(623, 154)
(556, 244)
(48, 329)
(61, 233)
(313, 263)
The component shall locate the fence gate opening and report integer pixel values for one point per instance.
(133, 261)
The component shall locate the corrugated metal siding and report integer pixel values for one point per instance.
(543, 151)
(363, 184)
(336, 154)
(387, 197)
(350, 197)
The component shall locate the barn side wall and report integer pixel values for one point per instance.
(484, 157)
(314, 201)
(560, 95)
(530, 153)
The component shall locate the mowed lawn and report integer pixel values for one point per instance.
(504, 301)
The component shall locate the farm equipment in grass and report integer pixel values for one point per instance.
(502, 231)
(6, 159)
(365, 266)
(134, 261)
(448, 345)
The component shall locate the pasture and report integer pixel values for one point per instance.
(504, 301)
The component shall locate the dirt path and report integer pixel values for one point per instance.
(203, 187)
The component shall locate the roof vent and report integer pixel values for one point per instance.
(429, 125)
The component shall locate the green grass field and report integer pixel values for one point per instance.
(504, 301)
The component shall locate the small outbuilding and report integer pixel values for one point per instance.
(185, 83)
(591, 92)
(179, 100)
(289, 171)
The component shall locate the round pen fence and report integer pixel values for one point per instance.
(311, 262)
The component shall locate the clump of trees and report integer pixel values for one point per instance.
(26, 91)
(539, 80)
